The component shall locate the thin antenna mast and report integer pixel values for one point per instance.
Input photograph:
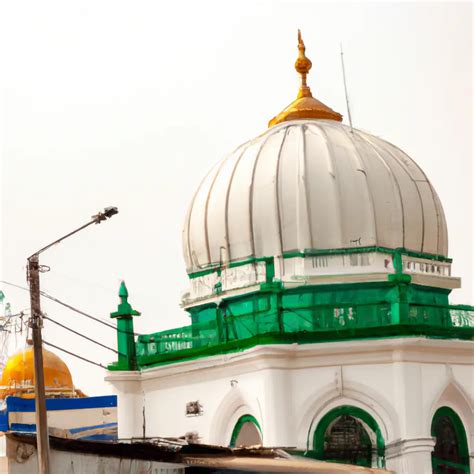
(345, 89)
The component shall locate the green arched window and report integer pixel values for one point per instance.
(246, 432)
(450, 454)
(349, 435)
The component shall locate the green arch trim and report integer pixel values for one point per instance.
(460, 435)
(328, 418)
(238, 426)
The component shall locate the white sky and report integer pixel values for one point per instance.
(129, 103)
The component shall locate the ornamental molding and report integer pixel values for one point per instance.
(300, 356)
(356, 395)
(454, 396)
(401, 447)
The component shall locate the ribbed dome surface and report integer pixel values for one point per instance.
(312, 184)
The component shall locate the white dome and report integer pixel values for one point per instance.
(312, 184)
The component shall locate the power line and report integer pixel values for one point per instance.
(74, 355)
(82, 313)
(9, 319)
(45, 316)
(15, 285)
(16, 315)
(72, 308)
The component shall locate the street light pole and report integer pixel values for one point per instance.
(36, 324)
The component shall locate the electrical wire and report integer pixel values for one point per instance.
(7, 325)
(16, 315)
(45, 316)
(74, 355)
(72, 308)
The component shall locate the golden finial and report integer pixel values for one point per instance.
(305, 106)
(302, 66)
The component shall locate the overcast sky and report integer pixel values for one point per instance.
(129, 103)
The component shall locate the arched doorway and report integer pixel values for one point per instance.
(349, 435)
(450, 454)
(247, 432)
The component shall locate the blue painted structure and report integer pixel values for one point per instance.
(100, 431)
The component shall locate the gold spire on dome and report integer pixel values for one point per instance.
(303, 66)
(305, 106)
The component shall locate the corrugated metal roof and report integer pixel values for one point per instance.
(206, 458)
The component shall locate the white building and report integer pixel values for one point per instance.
(319, 283)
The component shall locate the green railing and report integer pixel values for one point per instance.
(305, 324)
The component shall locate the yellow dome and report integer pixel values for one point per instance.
(18, 376)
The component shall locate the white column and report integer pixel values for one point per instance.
(129, 408)
(278, 423)
(410, 456)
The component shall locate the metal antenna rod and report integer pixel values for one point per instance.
(345, 89)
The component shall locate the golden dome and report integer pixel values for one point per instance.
(305, 106)
(18, 376)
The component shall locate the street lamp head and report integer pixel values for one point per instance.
(110, 211)
(106, 214)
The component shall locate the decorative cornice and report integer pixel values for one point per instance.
(295, 356)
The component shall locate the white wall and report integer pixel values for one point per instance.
(289, 388)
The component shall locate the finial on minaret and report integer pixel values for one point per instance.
(127, 355)
(124, 308)
(303, 66)
(123, 292)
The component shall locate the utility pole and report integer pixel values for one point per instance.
(36, 324)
